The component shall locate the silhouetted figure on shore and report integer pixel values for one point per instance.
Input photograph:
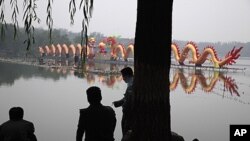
(17, 129)
(97, 121)
(128, 76)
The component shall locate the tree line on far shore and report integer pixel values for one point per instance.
(17, 48)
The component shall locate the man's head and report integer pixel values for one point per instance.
(94, 95)
(16, 113)
(127, 73)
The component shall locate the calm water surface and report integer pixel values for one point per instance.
(203, 103)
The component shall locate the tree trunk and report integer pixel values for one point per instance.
(150, 104)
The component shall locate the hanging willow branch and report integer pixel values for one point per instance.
(87, 7)
(2, 19)
(72, 11)
(15, 13)
(29, 17)
(49, 19)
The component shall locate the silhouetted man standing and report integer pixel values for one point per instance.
(97, 121)
(17, 129)
(128, 77)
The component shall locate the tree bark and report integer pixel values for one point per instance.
(150, 104)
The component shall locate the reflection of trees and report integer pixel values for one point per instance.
(207, 83)
(10, 72)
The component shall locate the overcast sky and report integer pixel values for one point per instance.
(196, 20)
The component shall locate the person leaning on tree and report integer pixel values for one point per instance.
(128, 77)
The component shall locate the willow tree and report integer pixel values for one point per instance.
(150, 104)
(30, 17)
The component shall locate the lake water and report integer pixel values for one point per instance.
(203, 103)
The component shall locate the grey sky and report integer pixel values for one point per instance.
(196, 20)
(211, 20)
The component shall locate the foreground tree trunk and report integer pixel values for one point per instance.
(150, 105)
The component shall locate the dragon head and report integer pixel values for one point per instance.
(111, 40)
(233, 55)
(91, 42)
